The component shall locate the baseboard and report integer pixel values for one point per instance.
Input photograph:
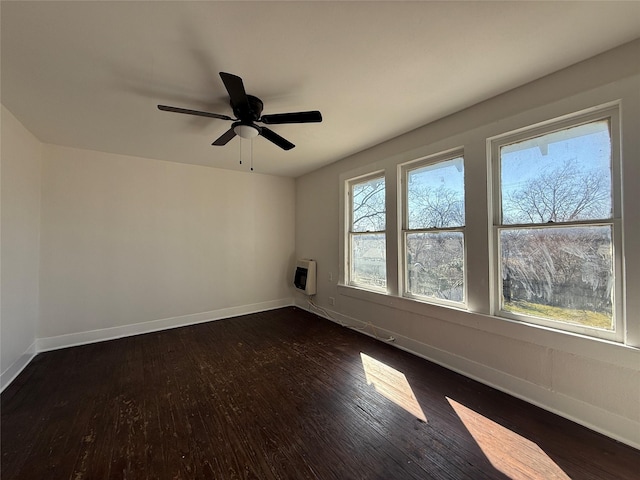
(595, 418)
(14, 370)
(100, 335)
(592, 417)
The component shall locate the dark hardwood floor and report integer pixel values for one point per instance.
(279, 395)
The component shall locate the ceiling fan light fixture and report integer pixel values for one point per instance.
(246, 131)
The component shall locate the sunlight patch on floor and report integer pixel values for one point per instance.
(391, 384)
(510, 453)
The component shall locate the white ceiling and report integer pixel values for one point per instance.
(90, 74)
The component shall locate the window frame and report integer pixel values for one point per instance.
(610, 113)
(404, 170)
(348, 258)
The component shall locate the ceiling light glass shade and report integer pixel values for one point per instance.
(246, 131)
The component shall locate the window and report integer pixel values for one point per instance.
(557, 229)
(367, 236)
(554, 251)
(433, 229)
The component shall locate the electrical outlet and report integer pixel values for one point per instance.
(330, 276)
(332, 301)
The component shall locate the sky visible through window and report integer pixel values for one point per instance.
(449, 174)
(587, 148)
(436, 195)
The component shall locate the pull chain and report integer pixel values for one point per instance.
(242, 141)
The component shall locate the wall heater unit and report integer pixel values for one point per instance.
(305, 277)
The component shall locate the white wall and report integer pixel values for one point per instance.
(97, 246)
(593, 382)
(19, 245)
(132, 244)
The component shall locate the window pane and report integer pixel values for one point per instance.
(435, 264)
(368, 260)
(436, 195)
(562, 176)
(368, 206)
(562, 273)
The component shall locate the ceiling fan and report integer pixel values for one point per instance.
(248, 111)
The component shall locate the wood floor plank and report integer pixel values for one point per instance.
(279, 395)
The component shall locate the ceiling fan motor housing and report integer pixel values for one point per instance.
(251, 114)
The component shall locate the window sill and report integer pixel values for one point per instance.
(590, 347)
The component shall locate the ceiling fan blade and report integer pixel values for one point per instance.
(275, 138)
(296, 117)
(235, 88)
(167, 108)
(225, 137)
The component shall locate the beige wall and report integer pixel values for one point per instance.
(19, 245)
(593, 382)
(128, 240)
